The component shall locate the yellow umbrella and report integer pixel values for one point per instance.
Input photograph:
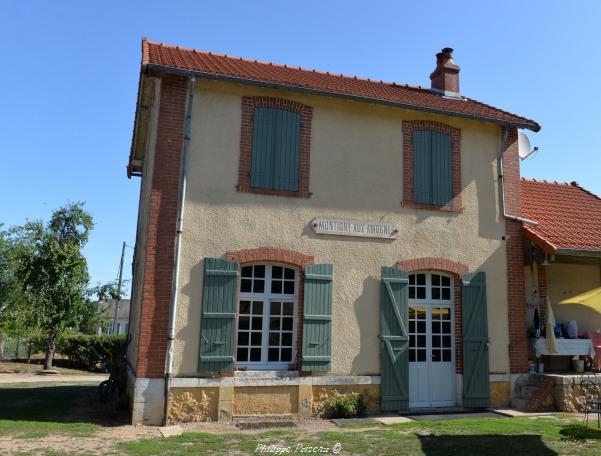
(591, 298)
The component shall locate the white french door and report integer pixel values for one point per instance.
(431, 340)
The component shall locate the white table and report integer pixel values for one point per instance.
(566, 347)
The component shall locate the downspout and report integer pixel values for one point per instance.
(502, 182)
(178, 237)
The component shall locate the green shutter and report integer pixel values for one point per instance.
(476, 387)
(286, 151)
(275, 150)
(218, 315)
(432, 168)
(394, 340)
(422, 167)
(317, 318)
(264, 126)
(442, 171)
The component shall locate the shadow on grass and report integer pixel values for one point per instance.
(59, 404)
(484, 444)
(580, 433)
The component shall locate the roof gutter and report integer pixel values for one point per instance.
(275, 85)
(578, 252)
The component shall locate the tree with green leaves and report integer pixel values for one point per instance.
(52, 271)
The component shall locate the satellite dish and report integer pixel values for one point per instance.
(524, 148)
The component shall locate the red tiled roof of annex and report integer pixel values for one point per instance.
(242, 70)
(568, 216)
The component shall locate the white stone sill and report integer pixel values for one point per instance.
(290, 380)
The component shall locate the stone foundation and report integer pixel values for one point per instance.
(266, 400)
(188, 405)
(322, 394)
(500, 394)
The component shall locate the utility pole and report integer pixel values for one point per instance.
(119, 281)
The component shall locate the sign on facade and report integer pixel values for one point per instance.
(359, 228)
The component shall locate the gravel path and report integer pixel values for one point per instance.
(51, 378)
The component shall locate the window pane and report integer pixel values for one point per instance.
(411, 312)
(446, 356)
(435, 279)
(274, 354)
(276, 286)
(411, 326)
(274, 323)
(436, 327)
(286, 354)
(446, 341)
(446, 293)
(276, 272)
(411, 292)
(421, 327)
(446, 327)
(242, 354)
(421, 279)
(435, 293)
(436, 341)
(257, 307)
(289, 273)
(412, 341)
(257, 323)
(411, 356)
(421, 356)
(446, 281)
(445, 313)
(243, 338)
(260, 270)
(288, 287)
(245, 285)
(287, 324)
(435, 356)
(412, 279)
(247, 271)
(275, 308)
(255, 339)
(243, 323)
(255, 354)
(287, 339)
(421, 293)
(288, 307)
(245, 307)
(259, 286)
(274, 338)
(421, 341)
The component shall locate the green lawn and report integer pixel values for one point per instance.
(486, 436)
(30, 413)
(36, 410)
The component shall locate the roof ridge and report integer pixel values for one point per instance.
(295, 67)
(577, 185)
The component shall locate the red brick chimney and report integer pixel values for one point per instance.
(445, 77)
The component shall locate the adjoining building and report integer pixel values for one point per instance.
(302, 232)
(114, 317)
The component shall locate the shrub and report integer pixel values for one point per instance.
(84, 351)
(347, 405)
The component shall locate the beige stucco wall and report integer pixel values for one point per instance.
(566, 280)
(141, 232)
(356, 172)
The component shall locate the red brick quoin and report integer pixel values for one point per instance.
(516, 293)
(160, 242)
(246, 139)
(410, 126)
(281, 256)
(456, 270)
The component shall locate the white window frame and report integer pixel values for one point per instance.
(429, 303)
(267, 298)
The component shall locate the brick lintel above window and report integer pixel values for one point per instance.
(255, 178)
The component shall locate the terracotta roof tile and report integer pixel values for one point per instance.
(175, 57)
(568, 216)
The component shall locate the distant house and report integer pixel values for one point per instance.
(108, 323)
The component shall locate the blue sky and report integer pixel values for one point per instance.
(70, 71)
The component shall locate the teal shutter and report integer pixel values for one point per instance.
(218, 315)
(442, 171)
(261, 170)
(422, 167)
(476, 387)
(317, 318)
(394, 340)
(276, 149)
(432, 168)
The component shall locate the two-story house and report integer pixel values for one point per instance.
(302, 233)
